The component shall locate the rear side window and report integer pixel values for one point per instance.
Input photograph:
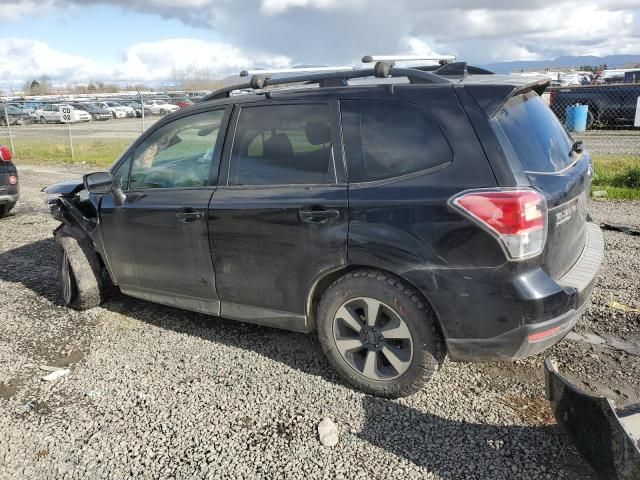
(387, 139)
(282, 145)
(535, 134)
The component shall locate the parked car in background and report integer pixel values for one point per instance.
(613, 104)
(12, 115)
(9, 187)
(117, 110)
(96, 112)
(400, 223)
(60, 113)
(183, 102)
(161, 107)
(137, 107)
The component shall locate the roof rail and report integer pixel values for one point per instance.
(332, 78)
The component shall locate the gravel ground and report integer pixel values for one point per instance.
(611, 142)
(156, 392)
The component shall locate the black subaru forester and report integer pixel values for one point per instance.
(401, 214)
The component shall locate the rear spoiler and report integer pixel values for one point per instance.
(491, 97)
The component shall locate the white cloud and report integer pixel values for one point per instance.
(275, 7)
(13, 9)
(150, 62)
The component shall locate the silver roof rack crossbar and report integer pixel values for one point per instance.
(341, 68)
(407, 58)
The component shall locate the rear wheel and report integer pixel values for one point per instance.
(4, 210)
(43, 120)
(379, 334)
(79, 269)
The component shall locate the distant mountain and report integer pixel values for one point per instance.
(566, 61)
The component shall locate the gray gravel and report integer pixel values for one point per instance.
(611, 142)
(156, 392)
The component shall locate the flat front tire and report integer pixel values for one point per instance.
(379, 334)
(79, 269)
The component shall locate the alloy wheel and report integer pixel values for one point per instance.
(373, 338)
(67, 280)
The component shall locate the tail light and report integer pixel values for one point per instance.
(5, 154)
(516, 218)
(13, 180)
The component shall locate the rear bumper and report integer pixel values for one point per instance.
(534, 337)
(9, 199)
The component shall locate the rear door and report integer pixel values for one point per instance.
(539, 145)
(279, 217)
(157, 243)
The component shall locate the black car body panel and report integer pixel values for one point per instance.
(264, 253)
(9, 191)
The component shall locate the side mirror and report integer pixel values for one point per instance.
(103, 183)
(99, 182)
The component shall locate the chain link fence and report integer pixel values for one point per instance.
(92, 130)
(612, 106)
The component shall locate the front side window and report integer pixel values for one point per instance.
(385, 139)
(282, 145)
(177, 155)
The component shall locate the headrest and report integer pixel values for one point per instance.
(318, 133)
(278, 146)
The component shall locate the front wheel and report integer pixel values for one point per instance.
(379, 334)
(79, 269)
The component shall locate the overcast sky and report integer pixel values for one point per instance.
(148, 40)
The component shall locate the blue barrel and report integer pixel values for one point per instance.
(577, 118)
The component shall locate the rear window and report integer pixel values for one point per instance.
(384, 139)
(535, 134)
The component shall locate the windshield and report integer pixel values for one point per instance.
(536, 135)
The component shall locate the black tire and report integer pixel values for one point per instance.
(75, 253)
(3, 121)
(428, 350)
(591, 120)
(43, 120)
(4, 210)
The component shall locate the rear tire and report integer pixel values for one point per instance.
(4, 210)
(400, 346)
(79, 269)
(43, 120)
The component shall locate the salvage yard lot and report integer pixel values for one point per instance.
(155, 392)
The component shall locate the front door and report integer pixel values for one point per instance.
(157, 243)
(279, 217)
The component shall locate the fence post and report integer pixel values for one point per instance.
(6, 119)
(141, 107)
(68, 124)
(636, 122)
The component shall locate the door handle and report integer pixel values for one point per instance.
(318, 214)
(189, 215)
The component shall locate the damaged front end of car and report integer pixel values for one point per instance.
(608, 438)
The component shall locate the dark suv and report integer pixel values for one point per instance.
(399, 214)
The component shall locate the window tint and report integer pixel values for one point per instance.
(385, 139)
(121, 172)
(280, 145)
(178, 154)
(536, 135)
